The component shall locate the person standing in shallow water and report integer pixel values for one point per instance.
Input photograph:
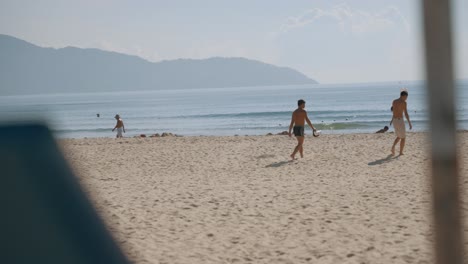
(298, 119)
(399, 108)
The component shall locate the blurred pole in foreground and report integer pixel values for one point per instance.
(440, 83)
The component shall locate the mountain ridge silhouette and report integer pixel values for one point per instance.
(29, 69)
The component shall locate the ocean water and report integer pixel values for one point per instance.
(353, 108)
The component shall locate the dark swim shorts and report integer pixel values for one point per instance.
(298, 131)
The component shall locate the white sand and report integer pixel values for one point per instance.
(238, 200)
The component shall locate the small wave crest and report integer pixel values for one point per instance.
(94, 130)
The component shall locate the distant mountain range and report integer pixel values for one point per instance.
(28, 69)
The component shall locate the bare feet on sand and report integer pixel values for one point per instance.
(393, 151)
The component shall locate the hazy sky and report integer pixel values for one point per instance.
(330, 41)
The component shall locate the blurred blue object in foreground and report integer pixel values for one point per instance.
(45, 215)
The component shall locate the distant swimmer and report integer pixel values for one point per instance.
(298, 119)
(98, 115)
(119, 126)
(399, 108)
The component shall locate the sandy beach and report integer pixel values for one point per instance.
(239, 199)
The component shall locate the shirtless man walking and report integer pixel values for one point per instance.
(298, 119)
(119, 126)
(399, 107)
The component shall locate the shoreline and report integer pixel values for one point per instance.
(460, 131)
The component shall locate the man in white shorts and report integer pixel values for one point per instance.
(399, 107)
(119, 126)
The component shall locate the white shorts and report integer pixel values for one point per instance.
(119, 131)
(400, 128)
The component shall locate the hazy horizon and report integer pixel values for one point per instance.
(338, 83)
(330, 41)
